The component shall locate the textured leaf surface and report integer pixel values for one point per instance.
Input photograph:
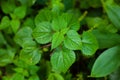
(89, 43)
(57, 39)
(72, 40)
(61, 60)
(22, 35)
(107, 62)
(42, 33)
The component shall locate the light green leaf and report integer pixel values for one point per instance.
(106, 40)
(61, 60)
(72, 21)
(113, 12)
(42, 33)
(72, 40)
(15, 24)
(107, 62)
(5, 22)
(20, 12)
(57, 39)
(17, 76)
(89, 43)
(55, 76)
(6, 56)
(30, 55)
(59, 23)
(24, 34)
(43, 15)
(34, 77)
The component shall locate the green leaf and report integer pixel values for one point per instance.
(113, 12)
(7, 6)
(42, 33)
(15, 24)
(27, 2)
(107, 62)
(34, 77)
(6, 56)
(24, 34)
(2, 39)
(29, 22)
(72, 21)
(30, 55)
(43, 15)
(55, 76)
(72, 40)
(106, 40)
(61, 60)
(17, 76)
(89, 43)
(20, 12)
(57, 39)
(5, 22)
(58, 23)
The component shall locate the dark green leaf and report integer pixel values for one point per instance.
(17, 76)
(113, 12)
(107, 62)
(106, 40)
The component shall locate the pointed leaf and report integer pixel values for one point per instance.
(42, 33)
(61, 60)
(20, 12)
(107, 62)
(113, 12)
(58, 37)
(72, 40)
(89, 43)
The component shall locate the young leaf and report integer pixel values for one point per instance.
(20, 12)
(61, 60)
(89, 43)
(113, 12)
(55, 76)
(5, 22)
(15, 24)
(72, 40)
(57, 39)
(42, 33)
(24, 34)
(107, 62)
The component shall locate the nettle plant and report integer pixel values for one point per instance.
(26, 37)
